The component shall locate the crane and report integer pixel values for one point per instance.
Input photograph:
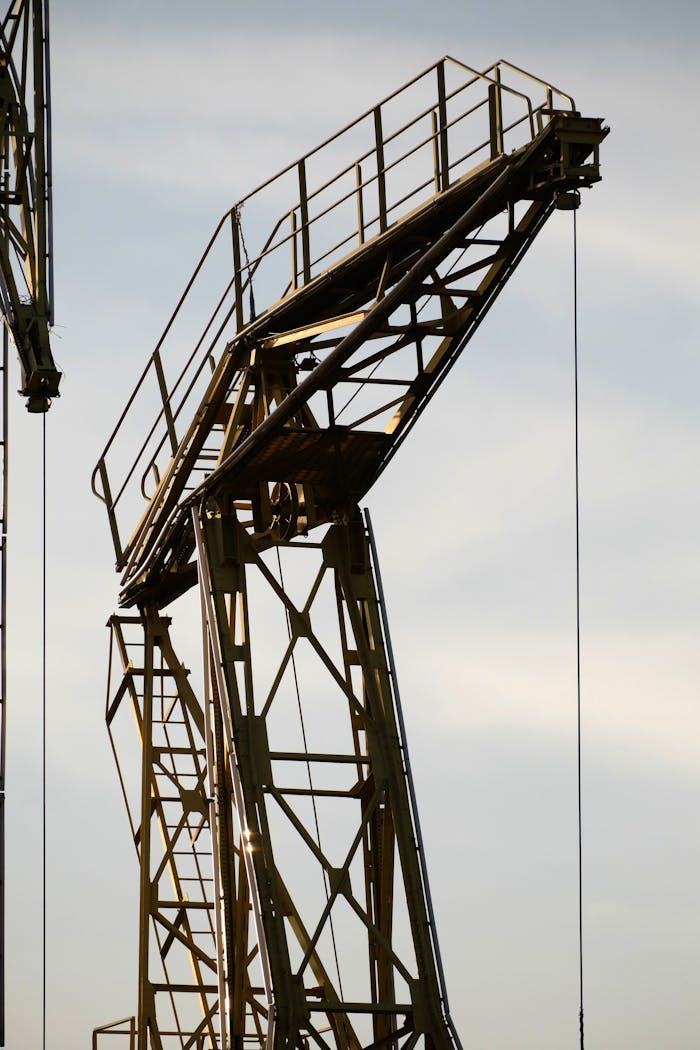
(284, 899)
(26, 278)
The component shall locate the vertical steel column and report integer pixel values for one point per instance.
(146, 1004)
(216, 802)
(358, 585)
(224, 601)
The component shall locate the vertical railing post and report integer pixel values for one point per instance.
(304, 215)
(237, 278)
(295, 256)
(381, 179)
(436, 150)
(547, 110)
(111, 513)
(496, 116)
(360, 204)
(442, 121)
(165, 397)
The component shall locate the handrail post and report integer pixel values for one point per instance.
(165, 397)
(304, 215)
(295, 258)
(111, 513)
(237, 280)
(436, 150)
(442, 116)
(381, 178)
(496, 116)
(360, 204)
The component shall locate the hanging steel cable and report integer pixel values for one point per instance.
(578, 631)
(43, 732)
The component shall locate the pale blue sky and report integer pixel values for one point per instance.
(164, 114)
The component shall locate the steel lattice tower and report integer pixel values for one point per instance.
(284, 898)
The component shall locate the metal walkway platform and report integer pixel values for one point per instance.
(388, 245)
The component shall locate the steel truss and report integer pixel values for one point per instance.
(282, 792)
(26, 239)
(232, 796)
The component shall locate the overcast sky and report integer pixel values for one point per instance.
(164, 114)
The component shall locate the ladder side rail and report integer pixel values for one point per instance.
(170, 726)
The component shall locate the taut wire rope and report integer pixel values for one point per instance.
(578, 637)
(43, 728)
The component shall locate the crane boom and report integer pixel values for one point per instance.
(398, 282)
(26, 264)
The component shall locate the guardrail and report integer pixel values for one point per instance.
(360, 182)
(125, 1028)
(125, 1031)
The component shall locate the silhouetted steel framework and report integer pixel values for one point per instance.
(26, 278)
(284, 898)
